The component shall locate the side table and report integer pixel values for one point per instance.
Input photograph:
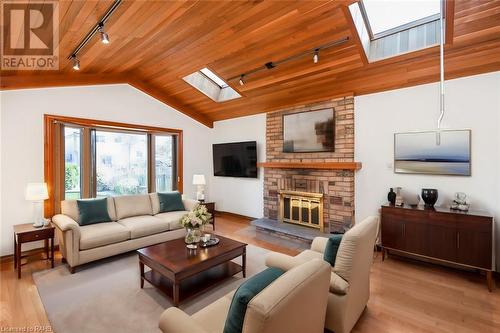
(24, 233)
(211, 209)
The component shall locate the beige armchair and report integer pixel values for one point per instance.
(293, 303)
(350, 277)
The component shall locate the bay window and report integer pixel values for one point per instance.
(88, 158)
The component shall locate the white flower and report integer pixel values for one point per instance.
(196, 218)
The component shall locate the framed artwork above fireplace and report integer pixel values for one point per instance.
(310, 131)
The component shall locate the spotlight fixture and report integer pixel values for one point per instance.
(242, 79)
(316, 56)
(76, 63)
(104, 35)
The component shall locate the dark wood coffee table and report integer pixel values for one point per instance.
(181, 273)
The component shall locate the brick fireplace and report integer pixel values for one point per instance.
(335, 184)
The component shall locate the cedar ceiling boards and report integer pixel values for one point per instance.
(154, 44)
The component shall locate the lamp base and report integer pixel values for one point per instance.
(200, 193)
(39, 220)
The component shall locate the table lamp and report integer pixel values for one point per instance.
(199, 181)
(37, 192)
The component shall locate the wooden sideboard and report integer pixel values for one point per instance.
(464, 239)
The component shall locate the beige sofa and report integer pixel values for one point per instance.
(293, 303)
(350, 277)
(136, 222)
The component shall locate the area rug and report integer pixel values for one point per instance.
(105, 296)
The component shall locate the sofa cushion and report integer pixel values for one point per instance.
(140, 226)
(132, 205)
(244, 294)
(101, 234)
(155, 202)
(93, 211)
(173, 218)
(353, 245)
(170, 202)
(331, 248)
(70, 208)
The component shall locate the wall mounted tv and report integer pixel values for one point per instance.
(238, 159)
(423, 153)
(311, 131)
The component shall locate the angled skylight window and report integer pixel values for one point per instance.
(212, 76)
(386, 15)
(211, 85)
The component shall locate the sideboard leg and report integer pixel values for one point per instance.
(489, 280)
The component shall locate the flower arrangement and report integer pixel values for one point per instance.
(196, 218)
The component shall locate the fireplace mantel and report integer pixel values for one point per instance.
(312, 165)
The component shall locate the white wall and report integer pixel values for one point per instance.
(21, 134)
(240, 195)
(471, 102)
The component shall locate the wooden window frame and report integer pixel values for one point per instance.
(53, 143)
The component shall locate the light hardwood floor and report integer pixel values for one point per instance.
(406, 296)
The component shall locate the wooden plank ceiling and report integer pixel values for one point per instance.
(156, 43)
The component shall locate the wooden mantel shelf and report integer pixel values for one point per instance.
(312, 165)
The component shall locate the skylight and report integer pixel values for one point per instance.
(384, 15)
(212, 76)
(211, 85)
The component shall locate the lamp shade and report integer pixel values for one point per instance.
(36, 192)
(199, 180)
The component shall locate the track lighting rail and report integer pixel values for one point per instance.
(95, 29)
(272, 64)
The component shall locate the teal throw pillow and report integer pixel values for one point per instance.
(93, 211)
(332, 246)
(170, 202)
(244, 294)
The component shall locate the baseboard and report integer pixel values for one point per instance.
(219, 212)
(10, 257)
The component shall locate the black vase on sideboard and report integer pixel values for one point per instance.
(430, 196)
(391, 196)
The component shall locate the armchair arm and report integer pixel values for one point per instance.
(174, 320)
(190, 204)
(282, 261)
(319, 244)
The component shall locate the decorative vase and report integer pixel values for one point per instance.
(399, 197)
(193, 237)
(430, 196)
(391, 196)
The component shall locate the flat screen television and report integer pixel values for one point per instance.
(237, 159)
(311, 131)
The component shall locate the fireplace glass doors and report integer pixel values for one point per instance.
(302, 208)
